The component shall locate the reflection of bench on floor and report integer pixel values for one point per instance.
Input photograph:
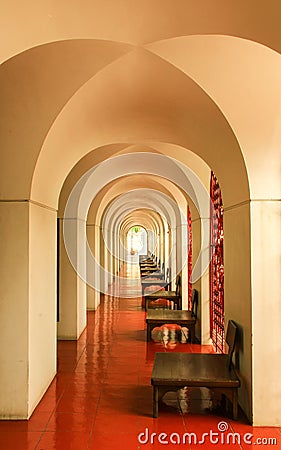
(174, 371)
(184, 318)
(158, 317)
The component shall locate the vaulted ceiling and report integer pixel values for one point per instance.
(84, 81)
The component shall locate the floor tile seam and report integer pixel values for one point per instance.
(57, 403)
(94, 420)
(70, 413)
(93, 425)
(76, 363)
(72, 372)
(48, 421)
(40, 439)
(20, 432)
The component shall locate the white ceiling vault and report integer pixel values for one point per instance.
(86, 81)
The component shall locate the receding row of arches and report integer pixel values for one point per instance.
(153, 191)
(121, 131)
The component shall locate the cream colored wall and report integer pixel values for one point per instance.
(67, 324)
(167, 247)
(93, 297)
(237, 288)
(28, 306)
(104, 280)
(42, 309)
(162, 243)
(201, 284)
(99, 254)
(14, 292)
(108, 257)
(252, 272)
(204, 305)
(266, 307)
(72, 295)
(182, 248)
(196, 244)
(81, 283)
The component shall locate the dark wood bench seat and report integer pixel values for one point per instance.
(152, 282)
(175, 296)
(174, 371)
(150, 274)
(148, 266)
(167, 295)
(158, 317)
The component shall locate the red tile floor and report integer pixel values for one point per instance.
(101, 398)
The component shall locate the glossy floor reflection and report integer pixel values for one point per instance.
(101, 398)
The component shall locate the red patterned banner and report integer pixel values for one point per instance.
(216, 266)
(189, 258)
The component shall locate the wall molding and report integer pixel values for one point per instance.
(32, 202)
(248, 202)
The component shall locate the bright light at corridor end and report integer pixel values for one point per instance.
(82, 257)
(137, 241)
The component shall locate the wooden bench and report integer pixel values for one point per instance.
(159, 317)
(175, 296)
(174, 371)
(149, 274)
(149, 268)
(152, 282)
(184, 318)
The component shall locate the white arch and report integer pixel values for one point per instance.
(86, 189)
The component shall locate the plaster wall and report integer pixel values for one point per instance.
(266, 310)
(72, 288)
(237, 292)
(28, 306)
(42, 331)
(14, 291)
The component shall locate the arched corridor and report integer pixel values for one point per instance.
(113, 116)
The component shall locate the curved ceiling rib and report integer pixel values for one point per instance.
(153, 102)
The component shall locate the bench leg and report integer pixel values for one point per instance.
(230, 399)
(148, 332)
(192, 334)
(146, 304)
(235, 404)
(155, 401)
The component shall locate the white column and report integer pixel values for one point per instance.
(93, 293)
(72, 288)
(173, 256)
(182, 262)
(266, 311)
(104, 262)
(237, 290)
(28, 306)
(167, 249)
